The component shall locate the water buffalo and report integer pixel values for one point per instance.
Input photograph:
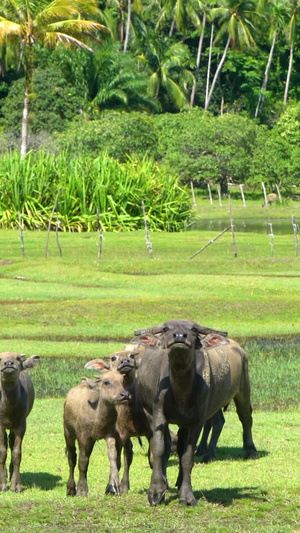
(16, 401)
(181, 383)
(271, 197)
(89, 415)
(132, 421)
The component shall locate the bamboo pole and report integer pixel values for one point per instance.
(220, 196)
(295, 229)
(57, 227)
(210, 242)
(193, 194)
(232, 228)
(265, 193)
(50, 221)
(242, 194)
(21, 235)
(148, 242)
(278, 192)
(209, 192)
(100, 228)
(271, 235)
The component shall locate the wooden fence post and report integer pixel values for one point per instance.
(271, 235)
(100, 228)
(232, 228)
(148, 242)
(278, 192)
(220, 196)
(193, 194)
(209, 192)
(21, 235)
(242, 194)
(210, 242)
(265, 194)
(295, 229)
(50, 220)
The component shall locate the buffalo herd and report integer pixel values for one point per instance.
(177, 373)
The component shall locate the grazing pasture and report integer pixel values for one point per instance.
(72, 309)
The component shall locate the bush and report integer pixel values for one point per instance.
(117, 134)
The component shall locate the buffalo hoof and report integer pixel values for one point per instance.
(250, 453)
(71, 491)
(208, 458)
(156, 498)
(191, 503)
(113, 490)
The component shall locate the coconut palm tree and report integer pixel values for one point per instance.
(170, 73)
(277, 17)
(26, 24)
(235, 18)
(294, 12)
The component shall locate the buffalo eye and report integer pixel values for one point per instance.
(194, 330)
(114, 357)
(106, 382)
(165, 329)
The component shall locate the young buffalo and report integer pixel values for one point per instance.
(89, 415)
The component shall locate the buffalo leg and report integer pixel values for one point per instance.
(244, 411)
(216, 422)
(85, 450)
(72, 460)
(128, 456)
(187, 439)
(114, 447)
(15, 442)
(3, 455)
(158, 485)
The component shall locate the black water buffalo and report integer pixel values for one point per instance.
(181, 383)
(16, 401)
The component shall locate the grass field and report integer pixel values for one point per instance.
(75, 308)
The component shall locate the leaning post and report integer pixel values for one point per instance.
(209, 192)
(193, 194)
(278, 192)
(100, 228)
(271, 235)
(232, 228)
(265, 193)
(242, 194)
(220, 196)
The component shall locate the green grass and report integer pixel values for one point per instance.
(77, 301)
(260, 495)
(75, 308)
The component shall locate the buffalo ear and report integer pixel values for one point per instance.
(30, 362)
(97, 364)
(90, 383)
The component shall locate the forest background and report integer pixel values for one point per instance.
(202, 91)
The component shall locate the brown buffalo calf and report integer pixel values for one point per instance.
(16, 401)
(89, 415)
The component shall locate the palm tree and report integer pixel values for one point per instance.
(169, 63)
(122, 26)
(277, 21)
(236, 21)
(25, 24)
(116, 81)
(294, 7)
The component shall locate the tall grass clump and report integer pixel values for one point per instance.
(29, 186)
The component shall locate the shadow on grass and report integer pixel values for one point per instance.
(41, 480)
(226, 453)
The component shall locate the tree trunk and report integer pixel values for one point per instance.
(209, 62)
(28, 57)
(217, 72)
(128, 22)
(192, 99)
(266, 78)
(287, 84)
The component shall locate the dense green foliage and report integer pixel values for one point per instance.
(29, 186)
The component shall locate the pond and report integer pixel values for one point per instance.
(280, 226)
